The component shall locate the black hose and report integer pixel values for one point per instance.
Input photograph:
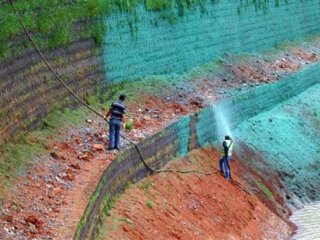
(150, 169)
(69, 89)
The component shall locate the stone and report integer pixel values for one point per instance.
(75, 166)
(84, 157)
(8, 218)
(32, 228)
(98, 147)
(146, 118)
(195, 103)
(31, 219)
(129, 221)
(54, 192)
(69, 177)
(55, 155)
(89, 121)
(96, 135)
(137, 124)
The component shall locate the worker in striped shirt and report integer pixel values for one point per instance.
(117, 117)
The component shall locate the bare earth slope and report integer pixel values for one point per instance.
(192, 206)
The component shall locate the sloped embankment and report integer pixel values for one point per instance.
(189, 133)
(276, 160)
(288, 137)
(195, 206)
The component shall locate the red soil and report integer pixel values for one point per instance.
(56, 190)
(50, 199)
(192, 206)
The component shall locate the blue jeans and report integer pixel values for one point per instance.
(225, 167)
(114, 133)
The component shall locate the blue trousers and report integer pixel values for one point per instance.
(114, 133)
(225, 167)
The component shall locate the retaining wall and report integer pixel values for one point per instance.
(152, 43)
(184, 135)
(29, 91)
(143, 43)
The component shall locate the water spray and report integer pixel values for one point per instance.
(221, 117)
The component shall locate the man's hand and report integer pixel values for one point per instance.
(106, 116)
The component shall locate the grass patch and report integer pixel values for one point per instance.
(146, 184)
(150, 204)
(158, 5)
(264, 189)
(17, 155)
(103, 231)
(53, 22)
(114, 226)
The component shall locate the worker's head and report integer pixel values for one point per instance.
(122, 97)
(227, 137)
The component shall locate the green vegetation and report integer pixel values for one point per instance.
(55, 23)
(51, 23)
(259, 4)
(264, 189)
(146, 184)
(17, 155)
(158, 5)
(149, 204)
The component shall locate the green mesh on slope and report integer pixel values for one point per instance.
(183, 133)
(181, 136)
(206, 128)
(146, 43)
(288, 136)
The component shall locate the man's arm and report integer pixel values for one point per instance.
(108, 114)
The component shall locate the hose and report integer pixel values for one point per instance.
(150, 169)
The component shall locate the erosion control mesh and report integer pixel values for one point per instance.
(180, 137)
(152, 43)
(288, 136)
(144, 42)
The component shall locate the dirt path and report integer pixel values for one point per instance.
(48, 202)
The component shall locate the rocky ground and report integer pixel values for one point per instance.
(49, 200)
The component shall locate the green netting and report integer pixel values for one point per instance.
(183, 132)
(146, 43)
(288, 136)
(204, 127)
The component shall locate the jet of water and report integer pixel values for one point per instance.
(222, 121)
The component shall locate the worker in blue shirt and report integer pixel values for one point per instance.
(117, 113)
